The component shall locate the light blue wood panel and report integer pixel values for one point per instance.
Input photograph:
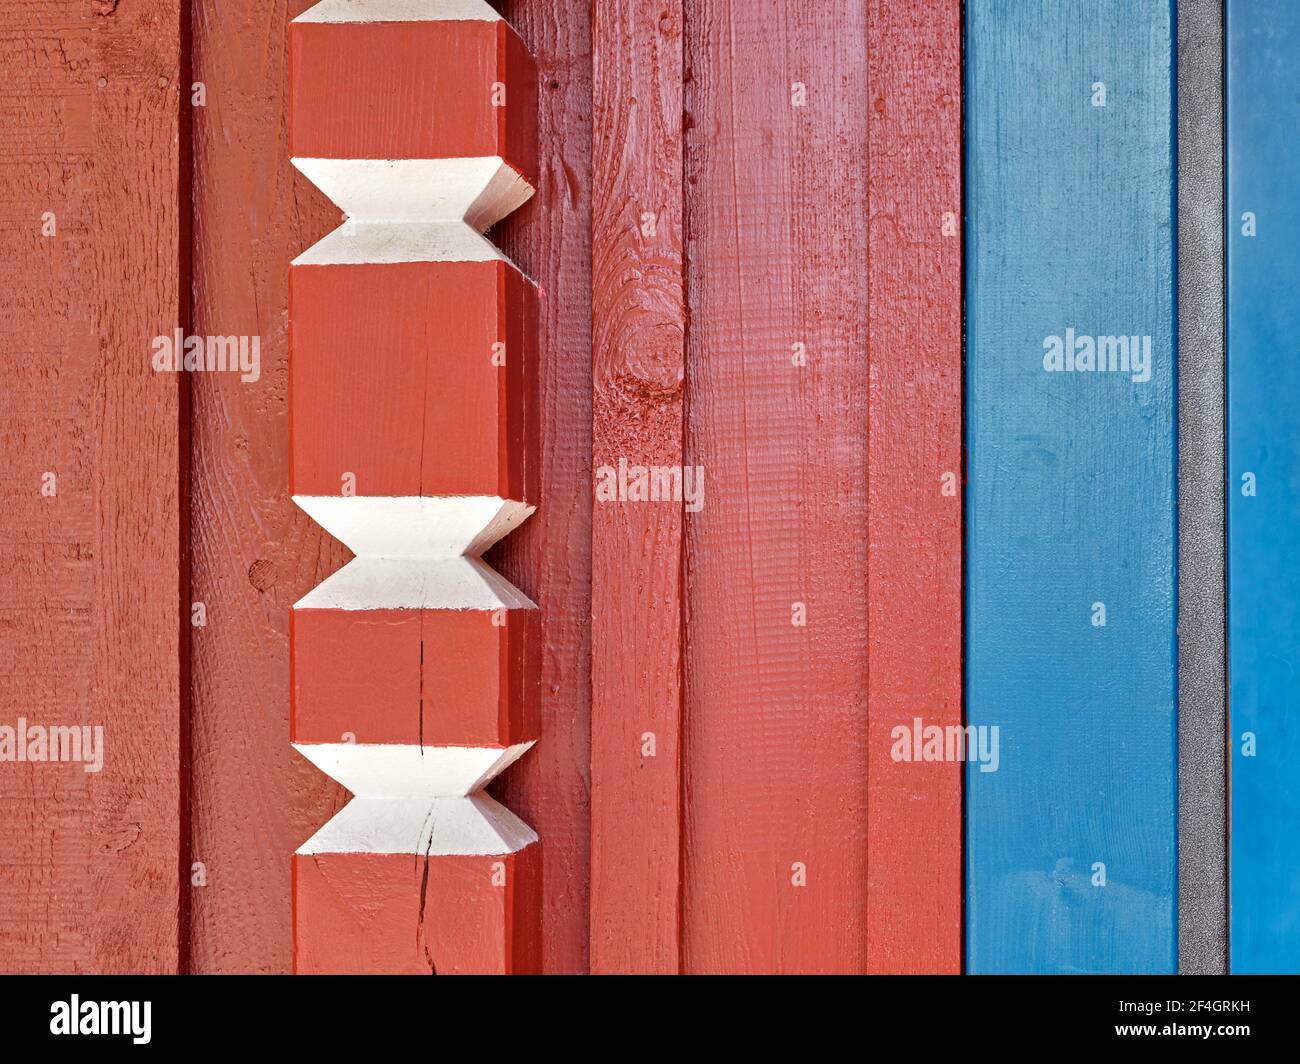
(1263, 239)
(1071, 507)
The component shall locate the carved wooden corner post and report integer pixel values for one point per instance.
(413, 429)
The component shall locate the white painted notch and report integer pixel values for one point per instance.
(477, 192)
(415, 525)
(473, 826)
(408, 770)
(415, 584)
(356, 243)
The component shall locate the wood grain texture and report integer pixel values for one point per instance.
(1071, 505)
(1263, 484)
(408, 914)
(914, 549)
(411, 90)
(548, 558)
(254, 800)
(433, 677)
(94, 571)
(775, 712)
(638, 337)
(393, 380)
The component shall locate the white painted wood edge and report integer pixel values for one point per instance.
(422, 526)
(400, 11)
(357, 243)
(473, 826)
(477, 191)
(402, 770)
(461, 583)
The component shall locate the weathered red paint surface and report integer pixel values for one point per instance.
(776, 762)
(254, 553)
(411, 90)
(775, 743)
(638, 326)
(430, 677)
(395, 379)
(407, 914)
(549, 556)
(92, 204)
(914, 299)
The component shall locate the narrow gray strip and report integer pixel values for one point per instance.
(1202, 785)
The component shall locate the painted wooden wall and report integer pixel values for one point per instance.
(775, 690)
(638, 384)
(746, 813)
(175, 857)
(1263, 482)
(255, 553)
(914, 470)
(549, 558)
(92, 554)
(1070, 639)
(748, 242)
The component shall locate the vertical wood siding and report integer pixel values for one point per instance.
(1263, 40)
(254, 553)
(90, 601)
(750, 217)
(775, 701)
(914, 825)
(638, 334)
(549, 558)
(1071, 504)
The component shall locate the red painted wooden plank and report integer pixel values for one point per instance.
(386, 354)
(92, 205)
(549, 557)
(411, 90)
(254, 799)
(775, 744)
(914, 838)
(638, 326)
(471, 673)
(390, 914)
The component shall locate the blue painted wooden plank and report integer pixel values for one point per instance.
(1263, 238)
(1071, 507)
